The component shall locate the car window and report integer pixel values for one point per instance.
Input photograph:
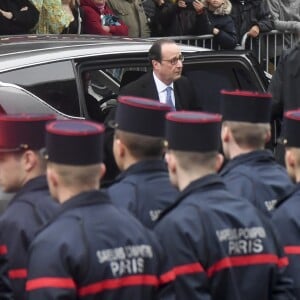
(209, 78)
(118, 73)
(54, 83)
(15, 100)
(101, 88)
(109, 80)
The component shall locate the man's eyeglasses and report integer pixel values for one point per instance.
(174, 61)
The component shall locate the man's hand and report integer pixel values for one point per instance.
(254, 31)
(106, 28)
(6, 14)
(159, 2)
(216, 31)
(25, 8)
(198, 6)
(182, 4)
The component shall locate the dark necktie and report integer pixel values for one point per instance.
(169, 97)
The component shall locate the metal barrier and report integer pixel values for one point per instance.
(205, 41)
(269, 46)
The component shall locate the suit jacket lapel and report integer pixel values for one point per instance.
(178, 105)
(150, 87)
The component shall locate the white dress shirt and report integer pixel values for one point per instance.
(161, 89)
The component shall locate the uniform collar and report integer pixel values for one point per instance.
(35, 184)
(84, 199)
(208, 182)
(93, 197)
(288, 195)
(255, 156)
(144, 166)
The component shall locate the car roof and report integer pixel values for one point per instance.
(24, 50)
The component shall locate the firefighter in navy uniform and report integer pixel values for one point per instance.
(5, 284)
(143, 187)
(91, 249)
(22, 171)
(219, 246)
(252, 171)
(286, 215)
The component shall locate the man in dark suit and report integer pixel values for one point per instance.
(166, 60)
(165, 82)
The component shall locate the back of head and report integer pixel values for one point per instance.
(140, 124)
(249, 135)
(75, 149)
(291, 129)
(248, 115)
(74, 142)
(291, 139)
(194, 137)
(142, 146)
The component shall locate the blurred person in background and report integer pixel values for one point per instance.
(17, 16)
(99, 19)
(286, 15)
(251, 17)
(286, 215)
(132, 13)
(219, 22)
(180, 17)
(72, 8)
(53, 19)
(285, 90)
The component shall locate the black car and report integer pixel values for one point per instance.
(70, 75)
(79, 76)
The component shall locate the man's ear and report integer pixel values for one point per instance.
(29, 160)
(102, 170)
(171, 161)
(52, 177)
(119, 147)
(290, 158)
(155, 64)
(225, 134)
(219, 162)
(268, 136)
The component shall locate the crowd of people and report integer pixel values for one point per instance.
(226, 20)
(200, 208)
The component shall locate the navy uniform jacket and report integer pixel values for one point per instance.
(220, 248)
(5, 284)
(26, 213)
(286, 217)
(145, 190)
(93, 250)
(257, 177)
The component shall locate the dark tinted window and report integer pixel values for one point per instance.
(101, 88)
(53, 82)
(13, 100)
(209, 79)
